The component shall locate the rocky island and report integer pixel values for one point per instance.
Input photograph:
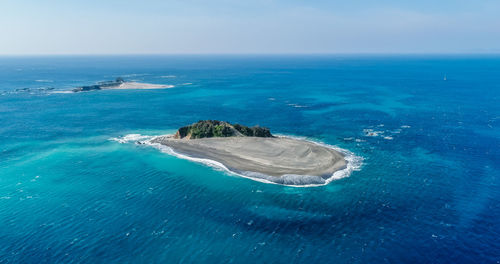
(120, 83)
(255, 153)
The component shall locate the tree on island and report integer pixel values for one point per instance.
(215, 128)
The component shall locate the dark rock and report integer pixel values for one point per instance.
(100, 85)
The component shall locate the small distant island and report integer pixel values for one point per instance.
(255, 153)
(120, 83)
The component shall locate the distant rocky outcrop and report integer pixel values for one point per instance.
(215, 128)
(100, 85)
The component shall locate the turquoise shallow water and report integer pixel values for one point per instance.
(428, 189)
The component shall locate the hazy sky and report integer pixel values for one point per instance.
(251, 26)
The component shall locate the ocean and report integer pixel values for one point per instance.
(425, 128)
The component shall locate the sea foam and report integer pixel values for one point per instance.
(131, 138)
(354, 163)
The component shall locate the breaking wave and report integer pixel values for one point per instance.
(354, 163)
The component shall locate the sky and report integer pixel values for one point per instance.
(36, 27)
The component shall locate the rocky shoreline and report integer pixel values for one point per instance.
(119, 83)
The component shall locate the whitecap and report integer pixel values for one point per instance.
(297, 105)
(354, 163)
(372, 133)
(131, 137)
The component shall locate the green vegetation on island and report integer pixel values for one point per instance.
(215, 128)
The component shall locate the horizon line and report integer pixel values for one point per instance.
(255, 54)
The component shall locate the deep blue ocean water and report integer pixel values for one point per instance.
(427, 192)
